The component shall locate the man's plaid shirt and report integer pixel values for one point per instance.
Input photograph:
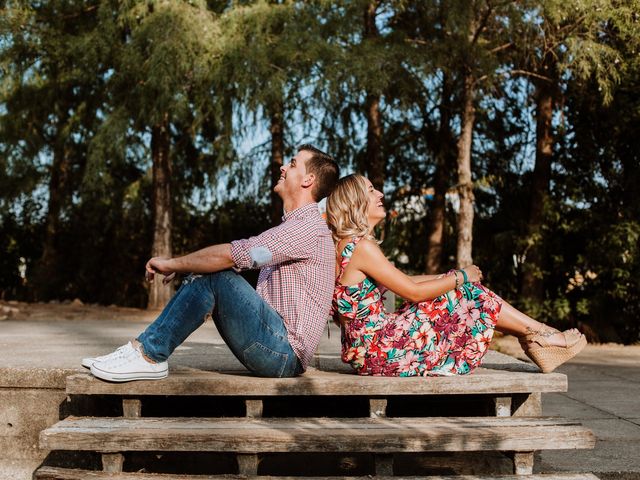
(297, 276)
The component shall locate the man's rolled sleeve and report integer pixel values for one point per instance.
(240, 254)
(288, 241)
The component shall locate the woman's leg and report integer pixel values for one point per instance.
(514, 322)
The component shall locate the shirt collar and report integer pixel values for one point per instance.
(302, 212)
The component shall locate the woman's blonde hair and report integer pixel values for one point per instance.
(347, 209)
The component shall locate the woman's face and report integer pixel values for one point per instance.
(376, 211)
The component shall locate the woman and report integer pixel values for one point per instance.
(447, 322)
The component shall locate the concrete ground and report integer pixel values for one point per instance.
(604, 395)
(38, 350)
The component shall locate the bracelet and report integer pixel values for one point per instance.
(464, 275)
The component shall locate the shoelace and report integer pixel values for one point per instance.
(120, 350)
(114, 354)
(123, 354)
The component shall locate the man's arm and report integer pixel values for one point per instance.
(208, 260)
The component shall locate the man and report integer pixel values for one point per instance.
(273, 330)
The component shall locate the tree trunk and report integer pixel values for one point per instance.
(375, 164)
(436, 227)
(532, 281)
(465, 185)
(58, 187)
(160, 294)
(277, 159)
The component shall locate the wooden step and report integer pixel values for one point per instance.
(52, 473)
(500, 375)
(379, 435)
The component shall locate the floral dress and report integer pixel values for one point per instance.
(448, 335)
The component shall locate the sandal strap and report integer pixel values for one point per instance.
(572, 338)
(540, 337)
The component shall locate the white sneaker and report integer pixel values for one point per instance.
(128, 364)
(88, 361)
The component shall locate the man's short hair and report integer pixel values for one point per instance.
(324, 167)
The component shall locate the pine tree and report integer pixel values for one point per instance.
(163, 58)
(268, 51)
(374, 165)
(563, 39)
(425, 29)
(363, 74)
(458, 47)
(51, 92)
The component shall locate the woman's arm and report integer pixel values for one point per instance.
(369, 259)
(425, 278)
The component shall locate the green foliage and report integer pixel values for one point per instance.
(83, 83)
(165, 58)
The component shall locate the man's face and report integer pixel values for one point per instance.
(292, 175)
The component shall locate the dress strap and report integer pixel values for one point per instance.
(345, 256)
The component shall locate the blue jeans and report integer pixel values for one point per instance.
(251, 328)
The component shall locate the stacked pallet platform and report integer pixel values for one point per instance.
(387, 422)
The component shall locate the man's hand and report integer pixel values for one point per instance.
(159, 265)
(208, 260)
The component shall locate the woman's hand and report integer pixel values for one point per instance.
(474, 274)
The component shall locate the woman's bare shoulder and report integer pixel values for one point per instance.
(367, 247)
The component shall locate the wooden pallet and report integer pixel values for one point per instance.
(513, 389)
(513, 386)
(52, 473)
(514, 377)
(270, 435)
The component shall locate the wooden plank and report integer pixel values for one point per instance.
(131, 407)
(54, 473)
(316, 382)
(523, 463)
(247, 464)
(112, 462)
(254, 408)
(502, 406)
(377, 407)
(527, 405)
(380, 435)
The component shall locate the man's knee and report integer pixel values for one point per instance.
(225, 275)
(230, 275)
(192, 277)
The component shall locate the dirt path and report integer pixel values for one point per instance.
(75, 310)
